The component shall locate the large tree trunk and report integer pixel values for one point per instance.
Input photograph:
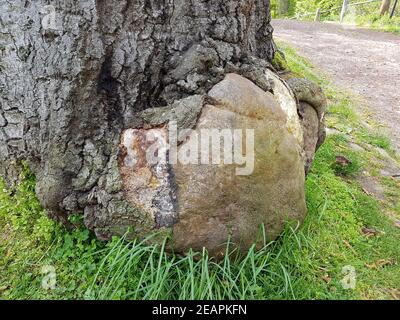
(75, 74)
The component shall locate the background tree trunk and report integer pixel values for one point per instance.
(385, 6)
(283, 7)
(74, 73)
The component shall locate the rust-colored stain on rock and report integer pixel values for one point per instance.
(147, 177)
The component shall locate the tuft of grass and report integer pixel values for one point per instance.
(279, 61)
(376, 138)
(385, 23)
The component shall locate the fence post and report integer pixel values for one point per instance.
(344, 9)
(393, 9)
(318, 15)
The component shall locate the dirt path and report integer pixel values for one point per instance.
(365, 61)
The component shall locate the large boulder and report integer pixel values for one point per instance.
(205, 191)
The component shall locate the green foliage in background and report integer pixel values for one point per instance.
(307, 6)
(374, 21)
(277, 11)
(366, 15)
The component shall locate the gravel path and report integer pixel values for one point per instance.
(365, 61)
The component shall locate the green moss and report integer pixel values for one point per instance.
(279, 61)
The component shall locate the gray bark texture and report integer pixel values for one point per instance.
(73, 74)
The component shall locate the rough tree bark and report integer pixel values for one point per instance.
(74, 75)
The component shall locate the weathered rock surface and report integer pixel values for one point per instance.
(311, 126)
(214, 202)
(312, 108)
(204, 201)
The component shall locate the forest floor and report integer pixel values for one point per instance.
(363, 60)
